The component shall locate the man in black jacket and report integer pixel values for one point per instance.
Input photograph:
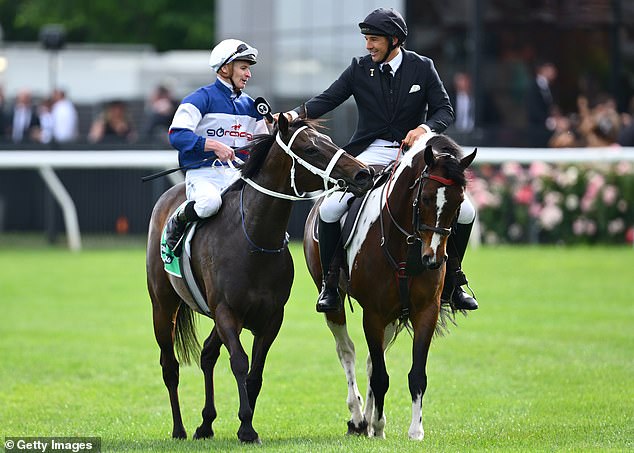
(399, 98)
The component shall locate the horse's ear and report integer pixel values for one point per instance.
(429, 156)
(466, 161)
(282, 123)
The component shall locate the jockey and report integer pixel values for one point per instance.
(400, 97)
(207, 126)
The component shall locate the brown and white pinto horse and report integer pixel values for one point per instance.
(407, 220)
(242, 263)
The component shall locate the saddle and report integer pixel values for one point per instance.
(350, 220)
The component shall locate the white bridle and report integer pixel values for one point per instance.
(324, 174)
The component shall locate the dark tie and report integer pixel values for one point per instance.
(387, 70)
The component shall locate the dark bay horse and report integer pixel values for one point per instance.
(242, 263)
(396, 272)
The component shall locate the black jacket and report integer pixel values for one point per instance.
(422, 99)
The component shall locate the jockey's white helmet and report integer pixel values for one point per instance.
(230, 50)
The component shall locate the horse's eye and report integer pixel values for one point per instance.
(311, 151)
(427, 201)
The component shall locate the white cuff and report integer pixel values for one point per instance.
(426, 127)
(294, 114)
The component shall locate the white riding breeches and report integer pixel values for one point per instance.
(204, 186)
(467, 212)
(380, 152)
(335, 205)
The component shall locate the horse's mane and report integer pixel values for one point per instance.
(444, 145)
(258, 150)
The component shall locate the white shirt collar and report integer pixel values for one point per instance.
(395, 62)
(228, 85)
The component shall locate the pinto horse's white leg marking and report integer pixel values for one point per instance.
(376, 426)
(416, 431)
(347, 357)
(369, 399)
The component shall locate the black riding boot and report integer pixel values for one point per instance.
(176, 227)
(452, 293)
(329, 244)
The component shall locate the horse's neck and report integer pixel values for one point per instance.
(400, 192)
(274, 212)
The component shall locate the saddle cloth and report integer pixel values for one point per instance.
(180, 266)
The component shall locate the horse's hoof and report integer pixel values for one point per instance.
(248, 436)
(248, 440)
(361, 430)
(203, 433)
(179, 433)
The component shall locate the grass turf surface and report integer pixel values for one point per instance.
(547, 363)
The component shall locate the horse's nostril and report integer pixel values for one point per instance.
(363, 175)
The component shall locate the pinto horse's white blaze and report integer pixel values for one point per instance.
(441, 201)
(416, 431)
(347, 357)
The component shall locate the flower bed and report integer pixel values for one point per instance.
(564, 203)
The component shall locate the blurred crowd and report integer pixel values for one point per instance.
(56, 120)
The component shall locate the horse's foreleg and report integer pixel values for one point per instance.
(345, 350)
(208, 359)
(164, 320)
(229, 330)
(424, 324)
(261, 346)
(377, 337)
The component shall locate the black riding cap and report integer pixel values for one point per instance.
(385, 22)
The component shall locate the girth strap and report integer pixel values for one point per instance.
(403, 283)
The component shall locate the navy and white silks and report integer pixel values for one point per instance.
(212, 112)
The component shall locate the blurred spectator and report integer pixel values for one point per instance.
(564, 131)
(626, 135)
(159, 114)
(25, 124)
(113, 125)
(3, 122)
(46, 121)
(65, 119)
(539, 104)
(598, 125)
(463, 103)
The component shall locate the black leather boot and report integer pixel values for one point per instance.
(452, 292)
(176, 227)
(329, 244)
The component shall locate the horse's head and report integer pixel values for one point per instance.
(321, 162)
(439, 190)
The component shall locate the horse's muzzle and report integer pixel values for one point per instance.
(362, 181)
(431, 263)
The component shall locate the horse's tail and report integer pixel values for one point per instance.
(185, 338)
(445, 317)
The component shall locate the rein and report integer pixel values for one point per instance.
(405, 270)
(257, 248)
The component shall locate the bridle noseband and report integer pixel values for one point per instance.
(323, 174)
(420, 181)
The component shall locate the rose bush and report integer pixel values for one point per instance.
(547, 203)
